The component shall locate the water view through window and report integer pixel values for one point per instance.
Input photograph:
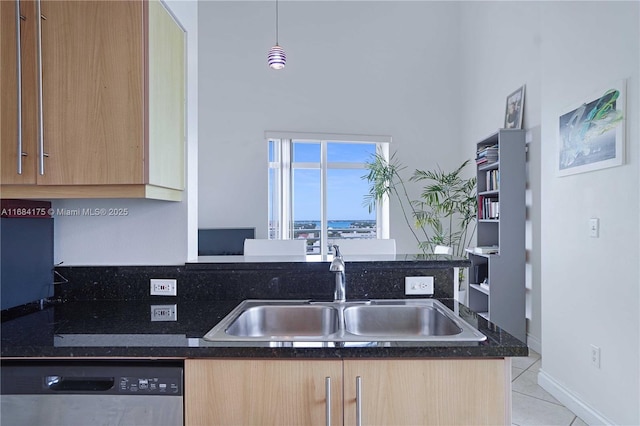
(312, 230)
(326, 191)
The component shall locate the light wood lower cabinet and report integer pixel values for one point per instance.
(261, 392)
(392, 392)
(428, 392)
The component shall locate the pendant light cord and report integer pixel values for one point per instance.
(276, 57)
(276, 22)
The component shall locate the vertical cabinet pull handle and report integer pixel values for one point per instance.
(19, 81)
(358, 401)
(327, 394)
(41, 154)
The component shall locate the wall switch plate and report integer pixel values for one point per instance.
(418, 286)
(164, 287)
(594, 227)
(595, 356)
(164, 313)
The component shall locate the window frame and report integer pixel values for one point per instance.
(283, 167)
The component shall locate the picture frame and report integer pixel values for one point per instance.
(591, 132)
(514, 109)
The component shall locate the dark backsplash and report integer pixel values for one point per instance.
(239, 281)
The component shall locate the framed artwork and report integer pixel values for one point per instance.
(591, 132)
(514, 110)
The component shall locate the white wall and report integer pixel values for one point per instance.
(584, 291)
(154, 232)
(591, 287)
(384, 68)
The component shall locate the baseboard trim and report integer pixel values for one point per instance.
(580, 408)
(534, 343)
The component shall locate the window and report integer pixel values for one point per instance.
(316, 189)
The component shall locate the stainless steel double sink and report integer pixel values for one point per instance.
(352, 321)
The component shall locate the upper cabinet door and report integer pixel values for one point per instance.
(93, 88)
(167, 99)
(101, 100)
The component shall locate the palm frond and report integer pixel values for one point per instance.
(445, 211)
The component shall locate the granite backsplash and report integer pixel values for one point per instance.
(238, 281)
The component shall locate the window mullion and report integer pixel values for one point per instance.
(323, 203)
(345, 165)
(286, 190)
(382, 208)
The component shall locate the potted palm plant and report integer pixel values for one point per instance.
(445, 212)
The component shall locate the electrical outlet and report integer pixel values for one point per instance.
(418, 285)
(164, 313)
(595, 356)
(164, 287)
(594, 227)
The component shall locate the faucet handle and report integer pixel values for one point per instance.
(336, 251)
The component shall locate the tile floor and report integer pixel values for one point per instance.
(532, 405)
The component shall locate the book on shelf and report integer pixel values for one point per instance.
(492, 180)
(486, 249)
(488, 207)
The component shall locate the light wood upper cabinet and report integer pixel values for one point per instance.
(113, 101)
(392, 392)
(18, 150)
(93, 85)
(262, 392)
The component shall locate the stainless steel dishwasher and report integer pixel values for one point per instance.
(91, 393)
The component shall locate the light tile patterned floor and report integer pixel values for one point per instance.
(532, 405)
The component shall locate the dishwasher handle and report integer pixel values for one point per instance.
(85, 384)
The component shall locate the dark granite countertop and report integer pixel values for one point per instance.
(105, 311)
(124, 329)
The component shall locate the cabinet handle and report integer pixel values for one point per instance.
(19, 70)
(327, 395)
(358, 401)
(40, 107)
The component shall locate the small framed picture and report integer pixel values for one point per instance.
(514, 110)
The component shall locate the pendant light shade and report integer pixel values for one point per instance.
(277, 58)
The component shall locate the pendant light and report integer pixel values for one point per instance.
(277, 57)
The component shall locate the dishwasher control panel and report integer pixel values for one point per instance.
(149, 385)
(92, 378)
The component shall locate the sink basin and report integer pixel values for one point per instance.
(384, 320)
(396, 321)
(285, 320)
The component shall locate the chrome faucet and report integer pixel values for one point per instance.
(337, 266)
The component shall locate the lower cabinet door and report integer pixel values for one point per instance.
(262, 392)
(427, 392)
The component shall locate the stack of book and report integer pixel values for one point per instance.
(487, 155)
(488, 207)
